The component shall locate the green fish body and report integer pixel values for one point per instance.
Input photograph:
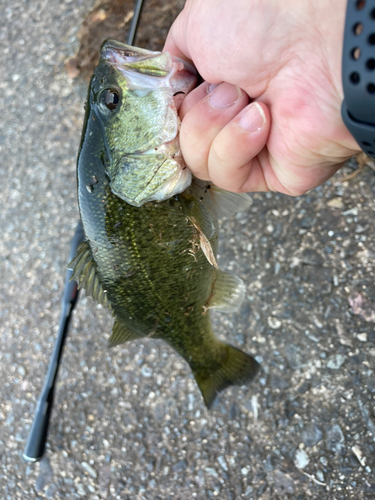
(154, 265)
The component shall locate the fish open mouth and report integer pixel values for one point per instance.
(158, 173)
(148, 70)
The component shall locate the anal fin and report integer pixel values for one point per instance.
(86, 275)
(121, 333)
(228, 292)
(236, 368)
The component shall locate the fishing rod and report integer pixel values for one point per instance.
(135, 20)
(36, 441)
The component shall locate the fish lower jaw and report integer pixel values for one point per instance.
(155, 174)
(173, 186)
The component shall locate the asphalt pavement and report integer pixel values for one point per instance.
(129, 422)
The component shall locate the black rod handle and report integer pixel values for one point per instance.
(36, 441)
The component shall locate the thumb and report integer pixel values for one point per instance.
(176, 42)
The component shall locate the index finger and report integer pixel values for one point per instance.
(175, 43)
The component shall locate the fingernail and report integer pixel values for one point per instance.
(253, 118)
(211, 87)
(224, 95)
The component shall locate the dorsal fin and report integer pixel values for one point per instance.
(85, 274)
(121, 333)
(228, 292)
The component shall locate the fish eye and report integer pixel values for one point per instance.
(110, 98)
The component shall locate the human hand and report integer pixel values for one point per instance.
(285, 55)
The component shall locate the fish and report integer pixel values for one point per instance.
(150, 254)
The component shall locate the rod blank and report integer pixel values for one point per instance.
(134, 23)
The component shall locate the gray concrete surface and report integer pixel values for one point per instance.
(129, 423)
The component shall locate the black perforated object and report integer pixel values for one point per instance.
(358, 73)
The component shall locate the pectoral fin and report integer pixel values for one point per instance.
(226, 204)
(236, 368)
(121, 333)
(197, 212)
(85, 274)
(201, 219)
(228, 292)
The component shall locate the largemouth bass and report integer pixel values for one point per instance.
(153, 263)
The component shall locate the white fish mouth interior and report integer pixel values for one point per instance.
(181, 180)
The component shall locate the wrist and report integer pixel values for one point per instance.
(330, 22)
(330, 15)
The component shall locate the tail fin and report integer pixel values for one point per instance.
(237, 368)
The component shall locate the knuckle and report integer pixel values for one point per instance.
(218, 159)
